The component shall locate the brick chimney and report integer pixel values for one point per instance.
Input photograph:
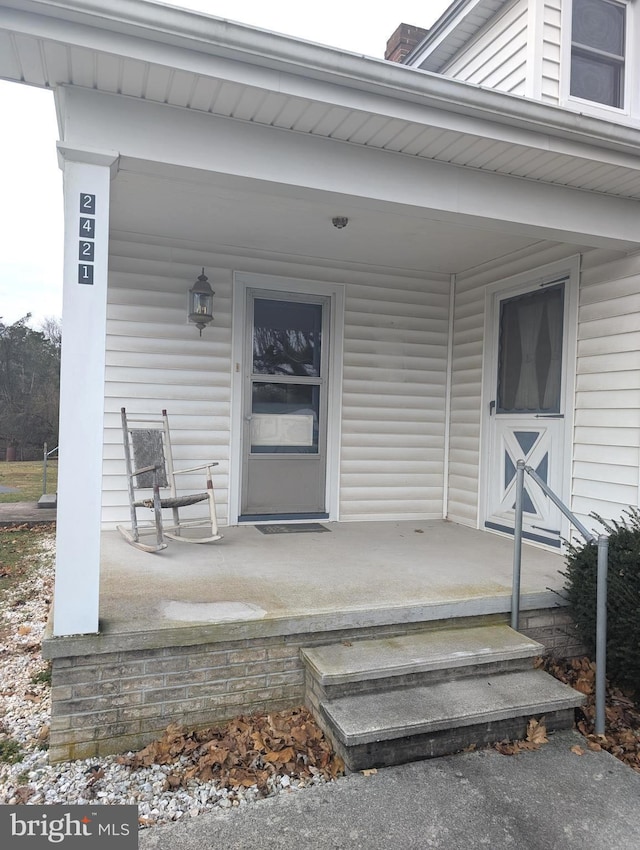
(403, 41)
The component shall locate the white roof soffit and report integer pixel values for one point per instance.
(457, 25)
(170, 55)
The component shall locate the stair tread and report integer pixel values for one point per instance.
(402, 712)
(417, 652)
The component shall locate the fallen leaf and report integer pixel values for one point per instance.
(300, 734)
(95, 773)
(585, 686)
(24, 793)
(536, 733)
(215, 755)
(577, 750)
(246, 751)
(369, 772)
(244, 778)
(335, 767)
(281, 756)
(507, 748)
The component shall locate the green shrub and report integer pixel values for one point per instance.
(10, 751)
(623, 597)
(43, 677)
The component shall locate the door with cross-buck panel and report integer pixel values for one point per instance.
(526, 414)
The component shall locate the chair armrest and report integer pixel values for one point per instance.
(195, 468)
(144, 469)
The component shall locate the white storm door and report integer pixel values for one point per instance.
(527, 410)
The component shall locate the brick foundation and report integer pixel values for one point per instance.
(555, 629)
(117, 701)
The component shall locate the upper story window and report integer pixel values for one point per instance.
(598, 35)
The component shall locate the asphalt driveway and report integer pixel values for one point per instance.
(548, 799)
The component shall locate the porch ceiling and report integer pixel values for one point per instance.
(235, 216)
(202, 63)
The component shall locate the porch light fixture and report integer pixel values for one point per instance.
(340, 221)
(201, 302)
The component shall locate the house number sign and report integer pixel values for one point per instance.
(87, 234)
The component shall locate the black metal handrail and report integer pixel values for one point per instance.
(602, 542)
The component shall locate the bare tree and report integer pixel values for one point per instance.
(51, 329)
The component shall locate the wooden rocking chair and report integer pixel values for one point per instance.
(147, 452)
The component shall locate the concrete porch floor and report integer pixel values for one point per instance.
(252, 584)
(200, 633)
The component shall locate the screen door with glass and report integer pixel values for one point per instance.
(285, 405)
(526, 413)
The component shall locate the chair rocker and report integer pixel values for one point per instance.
(149, 462)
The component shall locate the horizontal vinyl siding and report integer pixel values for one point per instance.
(464, 454)
(395, 352)
(607, 418)
(551, 41)
(497, 57)
(393, 400)
(155, 360)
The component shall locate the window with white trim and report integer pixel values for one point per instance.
(598, 38)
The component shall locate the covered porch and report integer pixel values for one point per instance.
(406, 206)
(410, 209)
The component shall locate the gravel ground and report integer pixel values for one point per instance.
(24, 718)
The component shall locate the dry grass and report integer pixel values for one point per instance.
(20, 551)
(26, 478)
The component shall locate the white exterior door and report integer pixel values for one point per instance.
(527, 408)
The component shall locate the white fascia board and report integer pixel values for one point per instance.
(220, 49)
(424, 116)
(150, 139)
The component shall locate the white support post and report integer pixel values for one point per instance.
(87, 178)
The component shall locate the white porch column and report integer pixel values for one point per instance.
(87, 177)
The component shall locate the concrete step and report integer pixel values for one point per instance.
(419, 657)
(422, 721)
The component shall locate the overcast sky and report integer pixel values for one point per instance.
(31, 229)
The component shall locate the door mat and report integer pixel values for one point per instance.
(292, 528)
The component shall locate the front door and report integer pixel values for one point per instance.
(285, 406)
(527, 409)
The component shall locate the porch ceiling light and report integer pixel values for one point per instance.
(201, 302)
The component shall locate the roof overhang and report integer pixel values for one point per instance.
(164, 54)
(457, 26)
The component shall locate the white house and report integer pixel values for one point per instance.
(460, 231)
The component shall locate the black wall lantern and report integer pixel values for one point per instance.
(201, 302)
